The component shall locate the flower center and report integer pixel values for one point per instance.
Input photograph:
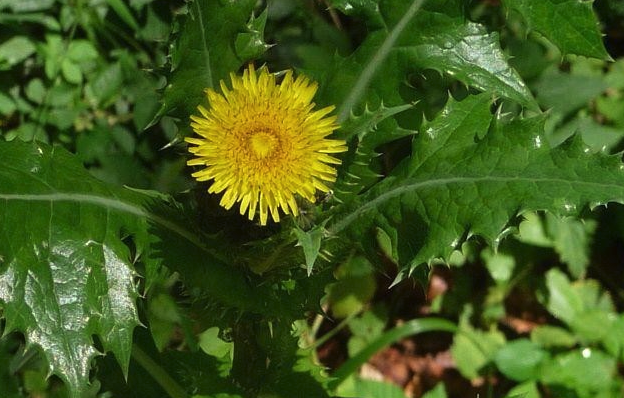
(263, 143)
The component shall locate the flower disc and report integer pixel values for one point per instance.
(261, 143)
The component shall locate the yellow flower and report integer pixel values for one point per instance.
(262, 143)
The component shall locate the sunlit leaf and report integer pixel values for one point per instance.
(66, 270)
(412, 39)
(471, 173)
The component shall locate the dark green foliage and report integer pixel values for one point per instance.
(207, 50)
(479, 137)
(464, 161)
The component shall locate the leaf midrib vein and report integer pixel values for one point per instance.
(371, 204)
(204, 44)
(376, 60)
(108, 203)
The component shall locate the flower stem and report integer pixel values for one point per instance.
(170, 386)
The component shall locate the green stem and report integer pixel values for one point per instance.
(375, 62)
(321, 340)
(170, 386)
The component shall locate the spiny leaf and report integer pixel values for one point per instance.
(310, 242)
(367, 133)
(204, 53)
(251, 44)
(431, 39)
(281, 351)
(66, 273)
(368, 9)
(571, 25)
(470, 173)
(362, 125)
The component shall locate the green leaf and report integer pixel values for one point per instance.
(597, 136)
(571, 239)
(456, 185)
(524, 390)
(62, 95)
(159, 375)
(52, 52)
(367, 131)
(81, 51)
(499, 265)
(355, 287)
(473, 349)
(366, 328)
(251, 44)
(371, 389)
(531, 231)
(204, 53)
(25, 132)
(139, 4)
(611, 107)
(583, 306)
(35, 91)
(310, 242)
(23, 6)
(438, 392)
(615, 75)
(554, 88)
(413, 38)
(71, 71)
(211, 344)
(569, 24)
(163, 316)
(106, 84)
(268, 357)
(15, 50)
(564, 302)
(122, 10)
(520, 360)
(48, 21)
(7, 105)
(65, 273)
(587, 370)
(368, 9)
(155, 27)
(552, 336)
(594, 326)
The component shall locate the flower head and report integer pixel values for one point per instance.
(262, 143)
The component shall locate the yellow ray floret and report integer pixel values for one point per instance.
(262, 143)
